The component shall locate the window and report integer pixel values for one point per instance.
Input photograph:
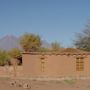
(79, 64)
(42, 63)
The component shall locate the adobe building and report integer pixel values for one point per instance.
(66, 63)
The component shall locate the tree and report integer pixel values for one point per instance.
(4, 58)
(43, 49)
(16, 53)
(30, 42)
(16, 57)
(83, 39)
(55, 46)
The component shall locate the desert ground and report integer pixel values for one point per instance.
(16, 84)
(7, 83)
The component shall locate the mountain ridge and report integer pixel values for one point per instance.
(9, 42)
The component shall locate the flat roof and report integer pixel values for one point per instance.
(67, 51)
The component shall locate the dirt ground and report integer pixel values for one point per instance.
(10, 84)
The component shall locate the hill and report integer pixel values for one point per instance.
(9, 42)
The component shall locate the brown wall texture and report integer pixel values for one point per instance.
(56, 65)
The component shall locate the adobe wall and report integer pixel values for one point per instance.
(54, 65)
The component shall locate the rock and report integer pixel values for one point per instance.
(26, 86)
(13, 83)
(20, 85)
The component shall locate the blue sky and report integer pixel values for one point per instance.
(53, 20)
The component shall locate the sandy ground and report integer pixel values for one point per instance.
(8, 84)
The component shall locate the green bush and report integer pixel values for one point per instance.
(4, 58)
(70, 81)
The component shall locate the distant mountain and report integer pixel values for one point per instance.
(9, 42)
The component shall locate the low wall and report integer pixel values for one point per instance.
(8, 71)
